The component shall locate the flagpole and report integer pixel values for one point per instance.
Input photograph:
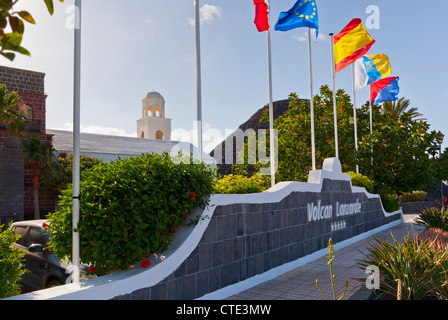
(271, 106)
(313, 145)
(371, 132)
(199, 80)
(76, 141)
(333, 71)
(354, 114)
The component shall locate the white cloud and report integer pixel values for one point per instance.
(322, 37)
(303, 37)
(300, 38)
(207, 13)
(109, 131)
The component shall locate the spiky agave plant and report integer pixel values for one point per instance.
(410, 269)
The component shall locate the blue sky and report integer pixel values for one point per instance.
(132, 47)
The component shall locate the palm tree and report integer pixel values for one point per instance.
(40, 155)
(394, 109)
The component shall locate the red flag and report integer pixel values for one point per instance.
(261, 15)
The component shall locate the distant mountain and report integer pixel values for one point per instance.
(280, 107)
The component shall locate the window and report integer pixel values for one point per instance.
(35, 236)
(158, 112)
(150, 112)
(28, 114)
(159, 135)
(22, 232)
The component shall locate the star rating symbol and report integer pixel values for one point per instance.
(338, 225)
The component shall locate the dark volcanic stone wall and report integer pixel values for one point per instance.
(244, 240)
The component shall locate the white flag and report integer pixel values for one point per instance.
(361, 77)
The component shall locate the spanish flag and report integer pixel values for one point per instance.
(351, 44)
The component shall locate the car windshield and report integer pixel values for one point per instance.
(19, 230)
(35, 235)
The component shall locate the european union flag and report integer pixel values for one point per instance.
(302, 14)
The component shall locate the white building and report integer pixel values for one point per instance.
(153, 127)
(154, 124)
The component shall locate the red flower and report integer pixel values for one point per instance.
(193, 194)
(44, 225)
(145, 264)
(92, 270)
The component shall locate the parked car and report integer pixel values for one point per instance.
(45, 269)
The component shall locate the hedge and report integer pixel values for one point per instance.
(11, 259)
(239, 184)
(129, 209)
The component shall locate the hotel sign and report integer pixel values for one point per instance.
(316, 212)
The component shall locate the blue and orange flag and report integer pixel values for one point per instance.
(351, 44)
(302, 14)
(261, 15)
(383, 90)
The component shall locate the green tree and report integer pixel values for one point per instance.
(58, 175)
(11, 260)
(11, 112)
(294, 131)
(403, 147)
(10, 42)
(403, 155)
(40, 155)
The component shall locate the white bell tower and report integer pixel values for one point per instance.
(153, 124)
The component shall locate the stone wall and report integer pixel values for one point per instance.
(22, 80)
(244, 240)
(11, 184)
(30, 85)
(417, 207)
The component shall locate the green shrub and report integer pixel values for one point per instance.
(360, 180)
(11, 260)
(419, 266)
(390, 202)
(434, 218)
(129, 209)
(239, 184)
(413, 196)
